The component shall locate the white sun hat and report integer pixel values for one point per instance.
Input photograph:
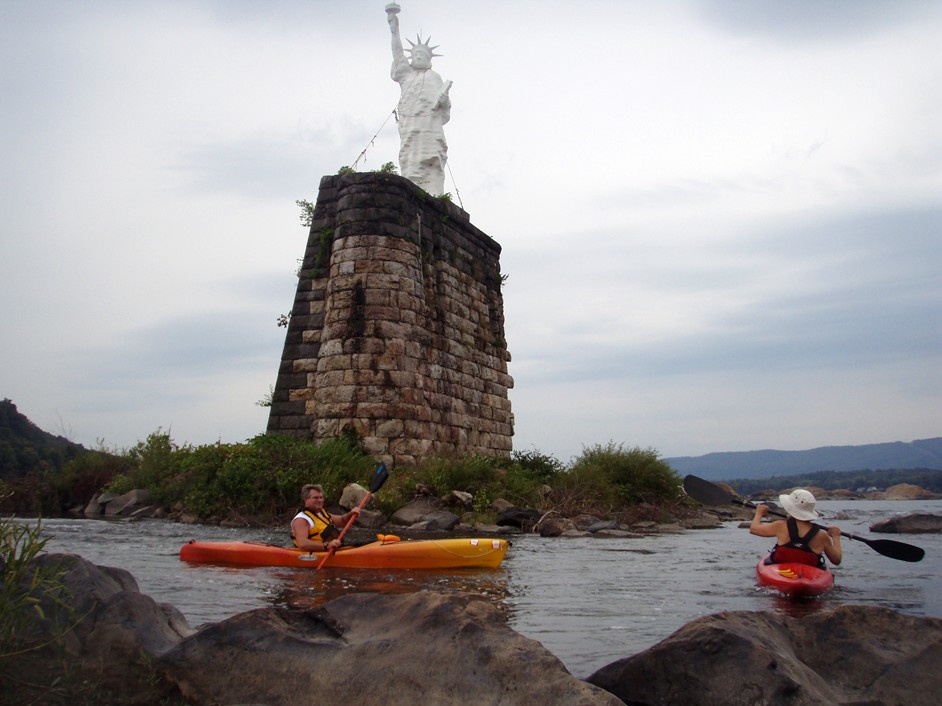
(799, 504)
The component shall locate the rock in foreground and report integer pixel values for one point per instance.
(417, 648)
(99, 640)
(90, 640)
(851, 655)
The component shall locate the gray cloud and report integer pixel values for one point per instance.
(813, 20)
(186, 347)
(263, 167)
(866, 290)
(707, 200)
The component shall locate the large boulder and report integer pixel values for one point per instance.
(425, 509)
(441, 520)
(418, 648)
(911, 522)
(93, 637)
(99, 640)
(96, 506)
(370, 519)
(352, 496)
(552, 526)
(853, 654)
(136, 503)
(458, 499)
(129, 503)
(523, 518)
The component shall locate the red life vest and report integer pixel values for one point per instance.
(798, 549)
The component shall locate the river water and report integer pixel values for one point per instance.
(590, 601)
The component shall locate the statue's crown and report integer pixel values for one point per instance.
(419, 44)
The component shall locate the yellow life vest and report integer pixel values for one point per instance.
(317, 523)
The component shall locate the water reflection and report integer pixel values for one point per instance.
(797, 607)
(302, 588)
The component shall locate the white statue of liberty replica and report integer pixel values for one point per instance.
(424, 108)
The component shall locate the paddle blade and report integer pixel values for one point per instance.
(707, 493)
(895, 550)
(379, 477)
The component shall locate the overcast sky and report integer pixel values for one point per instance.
(721, 219)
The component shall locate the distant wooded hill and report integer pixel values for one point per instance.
(924, 454)
(25, 448)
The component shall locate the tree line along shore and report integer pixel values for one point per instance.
(257, 482)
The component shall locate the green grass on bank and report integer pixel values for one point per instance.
(261, 478)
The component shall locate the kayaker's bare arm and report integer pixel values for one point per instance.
(832, 548)
(828, 542)
(340, 521)
(760, 528)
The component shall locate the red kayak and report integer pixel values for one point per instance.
(794, 579)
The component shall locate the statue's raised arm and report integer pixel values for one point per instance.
(424, 107)
(392, 17)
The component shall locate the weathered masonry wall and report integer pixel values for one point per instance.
(397, 330)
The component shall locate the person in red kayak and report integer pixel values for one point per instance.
(312, 527)
(797, 538)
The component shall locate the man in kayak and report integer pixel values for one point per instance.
(309, 525)
(797, 538)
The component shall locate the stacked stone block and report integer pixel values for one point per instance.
(397, 331)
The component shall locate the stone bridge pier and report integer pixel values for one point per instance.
(397, 329)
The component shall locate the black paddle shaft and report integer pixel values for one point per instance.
(707, 493)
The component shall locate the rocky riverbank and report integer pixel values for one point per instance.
(429, 514)
(99, 640)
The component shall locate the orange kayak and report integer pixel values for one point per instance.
(383, 554)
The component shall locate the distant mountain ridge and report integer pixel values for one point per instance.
(732, 465)
(24, 447)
